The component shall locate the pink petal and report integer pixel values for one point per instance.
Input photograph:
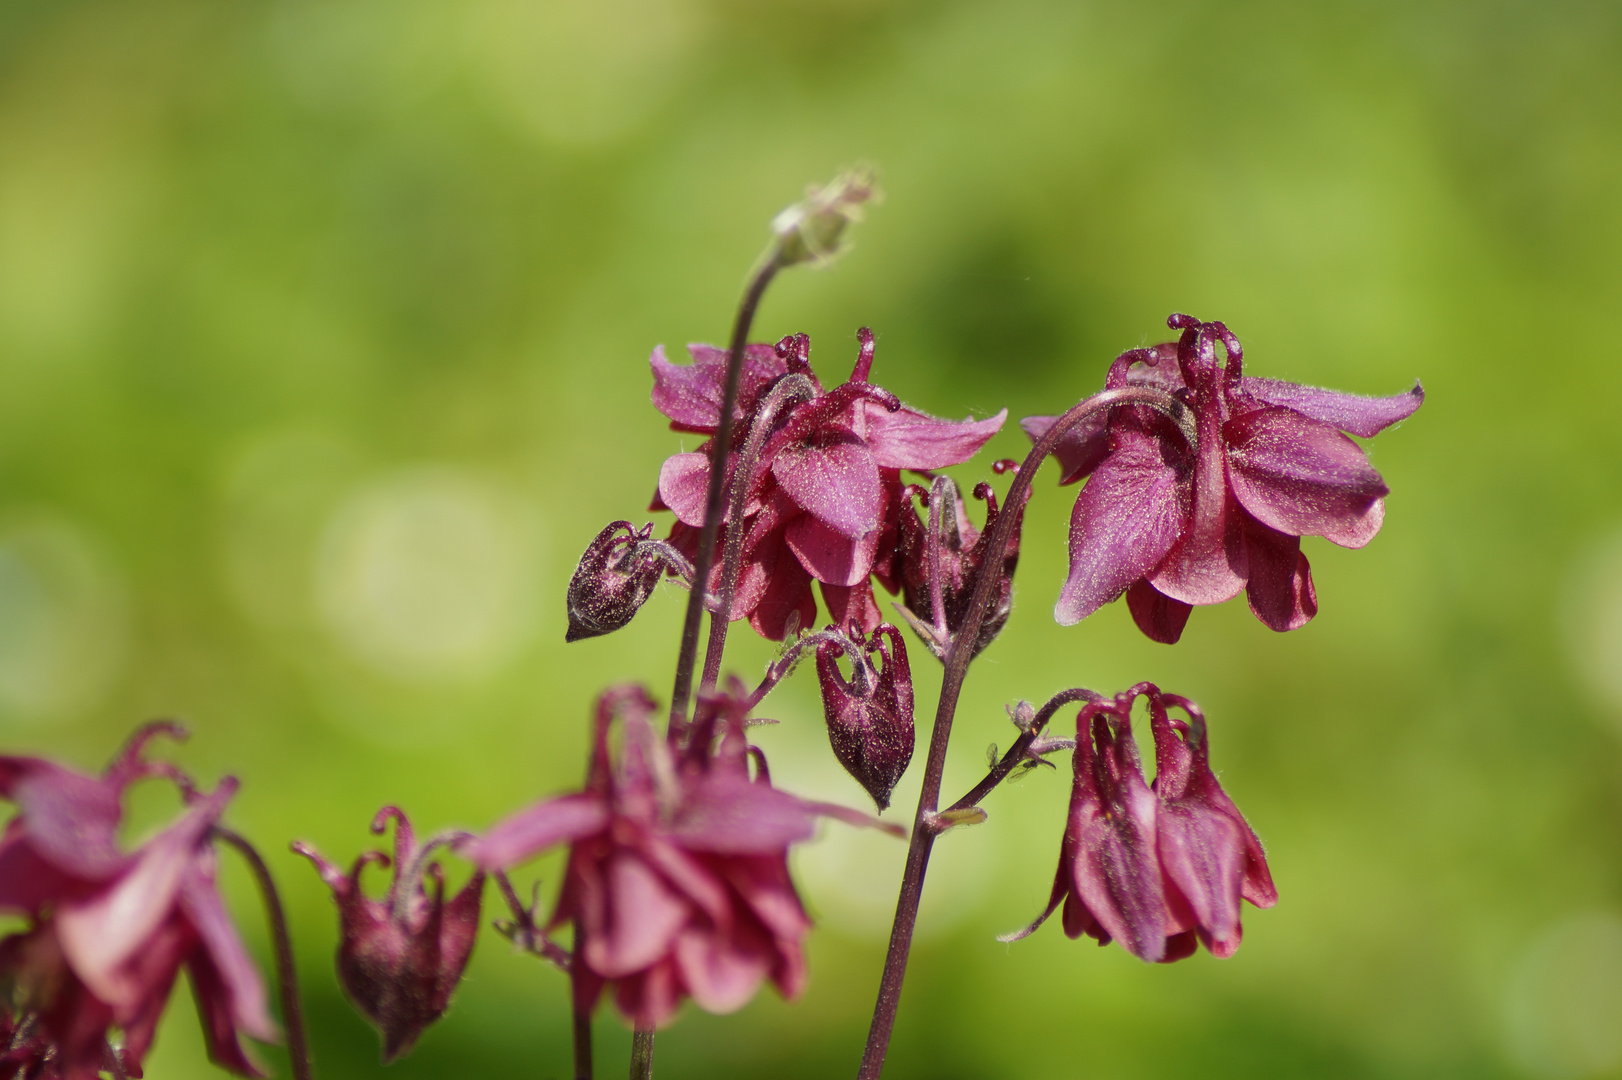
(1125, 520)
(643, 916)
(729, 815)
(1207, 565)
(692, 877)
(832, 474)
(650, 999)
(1364, 416)
(244, 991)
(764, 884)
(1159, 616)
(908, 439)
(1203, 854)
(214, 1009)
(1303, 477)
(28, 882)
(1280, 588)
(691, 395)
(71, 819)
(855, 603)
(102, 932)
(534, 829)
(722, 971)
(684, 486)
(829, 555)
(1080, 450)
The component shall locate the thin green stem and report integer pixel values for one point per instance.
(642, 1054)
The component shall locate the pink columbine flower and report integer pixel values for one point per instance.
(111, 931)
(825, 497)
(870, 717)
(1158, 869)
(399, 958)
(677, 882)
(1173, 524)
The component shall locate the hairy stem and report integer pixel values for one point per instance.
(790, 391)
(642, 1054)
(298, 1043)
(957, 666)
(762, 276)
(526, 935)
(1016, 753)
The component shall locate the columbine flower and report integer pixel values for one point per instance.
(825, 497)
(870, 717)
(1159, 869)
(1172, 524)
(677, 882)
(118, 928)
(956, 558)
(615, 577)
(400, 958)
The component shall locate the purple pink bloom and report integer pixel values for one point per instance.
(825, 498)
(677, 882)
(1158, 868)
(1173, 523)
(111, 931)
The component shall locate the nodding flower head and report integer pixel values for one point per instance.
(677, 882)
(1158, 868)
(824, 497)
(615, 577)
(110, 931)
(1174, 523)
(399, 958)
(941, 561)
(870, 717)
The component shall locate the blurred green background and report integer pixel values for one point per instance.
(323, 340)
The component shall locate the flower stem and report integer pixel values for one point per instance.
(115, 1061)
(1016, 753)
(765, 270)
(582, 1045)
(957, 666)
(642, 1054)
(298, 1044)
(790, 391)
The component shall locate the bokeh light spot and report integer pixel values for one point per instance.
(430, 574)
(1563, 1007)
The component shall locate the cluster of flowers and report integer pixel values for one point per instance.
(1199, 483)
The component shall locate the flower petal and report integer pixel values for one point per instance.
(1280, 588)
(691, 395)
(642, 918)
(1303, 477)
(833, 475)
(71, 820)
(1203, 853)
(854, 603)
(1364, 416)
(534, 829)
(1208, 565)
(908, 439)
(1125, 520)
(1159, 616)
(243, 990)
(722, 970)
(828, 555)
(1080, 450)
(727, 814)
(684, 486)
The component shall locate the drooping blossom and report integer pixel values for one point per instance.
(399, 958)
(111, 931)
(1159, 868)
(870, 717)
(677, 882)
(955, 557)
(1173, 524)
(824, 500)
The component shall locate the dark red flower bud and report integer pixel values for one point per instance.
(615, 577)
(870, 717)
(941, 560)
(399, 958)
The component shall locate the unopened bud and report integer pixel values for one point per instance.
(813, 229)
(956, 551)
(615, 577)
(870, 718)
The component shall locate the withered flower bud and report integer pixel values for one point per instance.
(870, 718)
(615, 577)
(813, 229)
(941, 559)
(400, 957)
